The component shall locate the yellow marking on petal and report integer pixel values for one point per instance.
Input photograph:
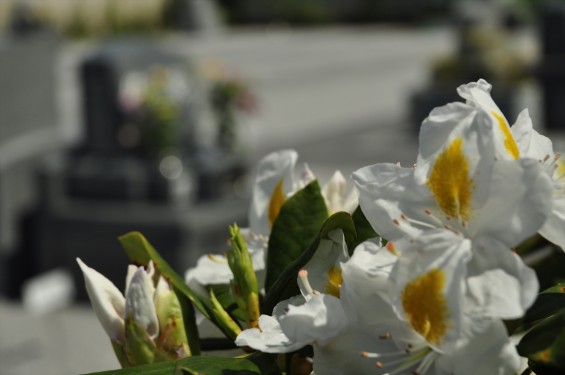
(450, 183)
(560, 167)
(509, 142)
(335, 279)
(425, 306)
(277, 200)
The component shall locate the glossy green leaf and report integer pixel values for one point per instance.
(285, 286)
(207, 365)
(545, 343)
(364, 230)
(549, 302)
(163, 368)
(140, 251)
(295, 227)
(257, 363)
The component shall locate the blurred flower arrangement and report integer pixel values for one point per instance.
(229, 97)
(416, 270)
(152, 106)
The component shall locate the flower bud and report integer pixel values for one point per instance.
(144, 327)
(244, 284)
(172, 342)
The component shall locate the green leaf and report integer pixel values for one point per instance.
(285, 286)
(257, 363)
(209, 365)
(140, 251)
(162, 368)
(295, 227)
(549, 302)
(545, 343)
(364, 230)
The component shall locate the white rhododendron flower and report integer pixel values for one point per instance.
(456, 184)
(520, 141)
(363, 332)
(423, 315)
(275, 182)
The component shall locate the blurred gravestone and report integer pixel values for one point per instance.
(140, 167)
(552, 67)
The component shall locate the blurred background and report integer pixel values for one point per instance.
(149, 115)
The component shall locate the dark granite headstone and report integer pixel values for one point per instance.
(551, 71)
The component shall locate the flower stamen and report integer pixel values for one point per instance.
(304, 285)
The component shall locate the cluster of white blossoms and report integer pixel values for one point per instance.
(274, 183)
(433, 299)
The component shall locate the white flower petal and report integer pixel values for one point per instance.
(499, 283)
(456, 143)
(342, 355)
(385, 192)
(213, 269)
(530, 142)
(326, 262)
(268, 338)
(271, 169)
(319, 319)
(132, 268)
(448, 122)
(139, 302)
(107, 301)
(519, 203)
(427, 286)
(490, 352)
(553, 229)
(334, 193)
(478, 94)
(209, 270)
(365, 282)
